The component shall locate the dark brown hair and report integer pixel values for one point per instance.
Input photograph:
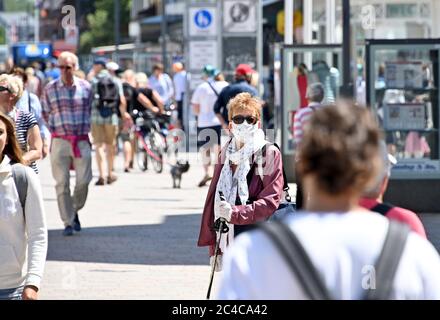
(12, 149)
(158, 66)
(340, 148)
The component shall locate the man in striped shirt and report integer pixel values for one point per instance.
(67, 103)
(315, 95)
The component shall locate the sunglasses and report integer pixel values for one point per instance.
(2, 88)
(65, 67)
(240, 119)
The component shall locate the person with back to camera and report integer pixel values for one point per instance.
(314, 95)
(372, 199)
(344, 254)
(243, 79)
(208, 125)
(249, 173)
(23, 232)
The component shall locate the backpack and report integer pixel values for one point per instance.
(21, 183)
(305, 272)
(108, 96)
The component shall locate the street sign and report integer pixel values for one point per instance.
(202, 22)
(240, 16)
(202, 53)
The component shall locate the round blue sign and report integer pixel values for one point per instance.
(203, 19)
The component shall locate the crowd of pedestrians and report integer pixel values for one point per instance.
(341, 226)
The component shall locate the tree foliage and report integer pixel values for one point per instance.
(21, 5)
(101, 25)
(2, 35)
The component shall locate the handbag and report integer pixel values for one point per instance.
(286, 207)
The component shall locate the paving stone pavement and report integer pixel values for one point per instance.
(138, 240)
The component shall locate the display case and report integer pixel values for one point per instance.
(303, 65)
(403, 91)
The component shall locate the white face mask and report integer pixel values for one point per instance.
(244, 132)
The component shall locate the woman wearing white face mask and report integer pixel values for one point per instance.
(249, 173)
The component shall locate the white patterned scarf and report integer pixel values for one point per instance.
(233, 184)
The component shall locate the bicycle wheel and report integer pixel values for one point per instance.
(157, 150)
(141, 156)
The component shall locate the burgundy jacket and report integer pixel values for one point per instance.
(265, 190)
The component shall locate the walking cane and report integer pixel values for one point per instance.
(220, 226)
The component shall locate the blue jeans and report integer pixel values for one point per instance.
(11, 294)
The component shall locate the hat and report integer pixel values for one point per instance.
(243, 70)
(100, 61)
(113, 66)
(208, 70)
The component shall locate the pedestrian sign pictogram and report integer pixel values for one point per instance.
(202, 21)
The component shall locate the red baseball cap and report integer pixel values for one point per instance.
(243, 70)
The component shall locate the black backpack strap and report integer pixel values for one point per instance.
(382, 208)
(388, 261)
(285, 186)
(21, 183)
(296, 257)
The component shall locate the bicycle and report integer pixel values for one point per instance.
(150, 142)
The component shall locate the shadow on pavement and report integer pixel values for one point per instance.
(173, 242)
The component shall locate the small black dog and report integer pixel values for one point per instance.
(176, 172)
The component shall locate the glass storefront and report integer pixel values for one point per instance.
(402, 86)
(302, 66)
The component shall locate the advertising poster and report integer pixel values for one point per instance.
(404, 75)
(408, 116)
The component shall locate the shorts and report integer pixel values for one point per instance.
(209, 136)
(124, 133)
(104, 133)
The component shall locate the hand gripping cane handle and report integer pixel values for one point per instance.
(220, 224)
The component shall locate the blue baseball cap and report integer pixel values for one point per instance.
(209, 70)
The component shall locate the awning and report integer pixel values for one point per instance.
(269, 2)
(158, 19)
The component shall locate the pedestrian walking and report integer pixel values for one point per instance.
(23, 231)
(334, 249)
(124, 120)
(66, 108)
(26, 126)
(249, 173)
(162, 83)
(126, 132)
(314, 95)
(208, 125)
(108, 98)
(29, 102)
(243, 79)
(180, 81)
